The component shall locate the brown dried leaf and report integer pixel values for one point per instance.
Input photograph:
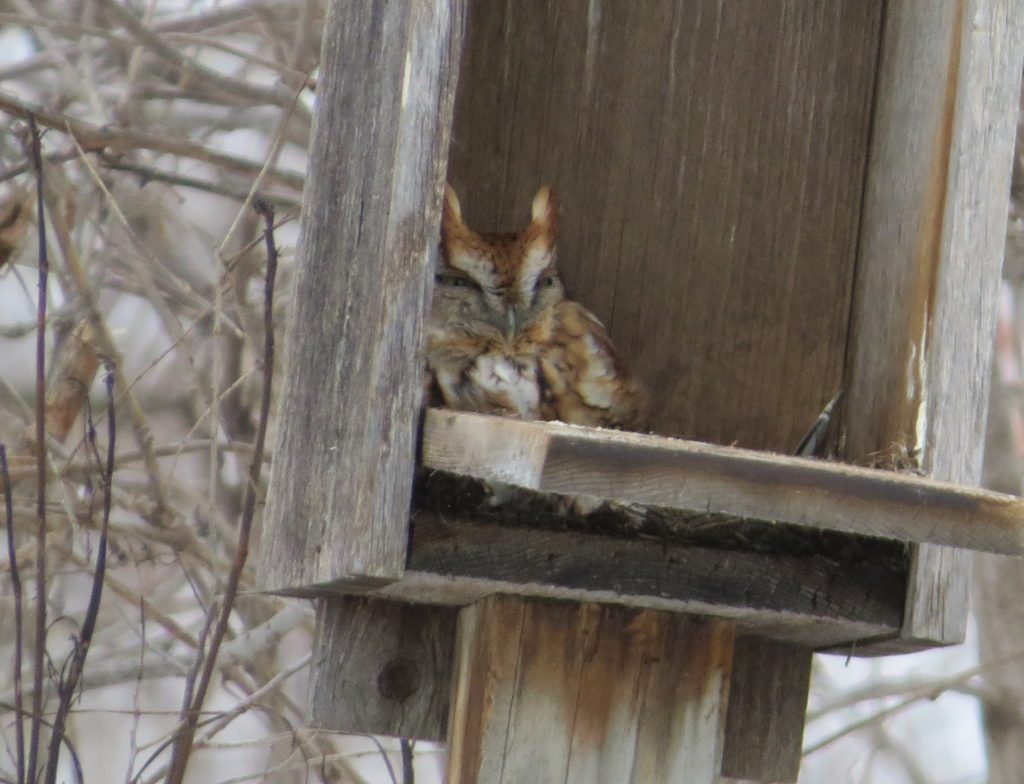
(15, 211)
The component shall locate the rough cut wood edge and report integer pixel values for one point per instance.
(338, 503)
(382, 667)
(587, 693)
(631, 467)
(764, 727)
(814, 601)
(931, 242)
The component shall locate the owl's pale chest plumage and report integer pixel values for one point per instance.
(504, 339)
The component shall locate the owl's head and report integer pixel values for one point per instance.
(501, 283)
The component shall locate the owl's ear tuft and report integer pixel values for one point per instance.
(544, 209)
(451, 210)
(544, 214)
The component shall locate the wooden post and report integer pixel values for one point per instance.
(931, 249)
(767, 702)
(567, 692)
(338, 504)
(382, 667)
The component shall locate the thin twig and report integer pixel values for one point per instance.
(19, 621)
(20, 168)
(149, 173)
(190, 69)
(40, 573)
(161, 514)
(81, 648)
(183, 743)
(224, 720)
(109, 139)
(408, 772)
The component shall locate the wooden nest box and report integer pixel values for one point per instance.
(765, 203)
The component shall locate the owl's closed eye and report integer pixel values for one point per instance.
(503, 337)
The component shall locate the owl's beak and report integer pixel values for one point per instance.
(511, 321)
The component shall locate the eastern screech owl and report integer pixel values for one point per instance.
(504, 338)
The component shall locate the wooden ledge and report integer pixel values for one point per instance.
(816, 602)
(688, 476)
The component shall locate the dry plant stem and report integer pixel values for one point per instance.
(190, 712)
(184, 181)
(302, 79)
(914, 695)
(93, 138)
(386, 758)
(40, 573)
(81, 649)
(189, 68)
(220, 16)
(19, 632)
(871, 720)
(223, 20)
(408, 772)
(220, 723)
(140, 425)
(168, 623)
(53, 158)
(272, 154)
(143, 273)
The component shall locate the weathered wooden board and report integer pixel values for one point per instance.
(931, 248)
(653, 470)
(587, 693)
(764, 727)
(814, 601)
(709, 157)
(339, 492)
(382, 667)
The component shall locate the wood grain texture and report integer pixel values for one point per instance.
(586, 693)
(709, 159)
(339, 493)
(764, 727)
(812, 600)
(382, 667)
(931, 249)
(665, 472)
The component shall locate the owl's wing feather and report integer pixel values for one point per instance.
(583, 380)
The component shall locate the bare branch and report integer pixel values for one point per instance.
(279, 96)
(40, 565)
(81, 649)
(183, 744)
(110, 141)
(19, 632)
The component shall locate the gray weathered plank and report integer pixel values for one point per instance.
(811, 600)
(764, 727)
(382, 667)
(931, 249)
(587, 693)
(339, 493)
(632, 467)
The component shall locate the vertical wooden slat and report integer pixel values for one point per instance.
(339, 493)
(764, 727)
(382, 667)
(559, 692)
(930, 253)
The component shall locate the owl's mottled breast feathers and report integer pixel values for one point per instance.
(503, 338)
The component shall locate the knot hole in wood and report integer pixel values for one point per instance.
(399, 679)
